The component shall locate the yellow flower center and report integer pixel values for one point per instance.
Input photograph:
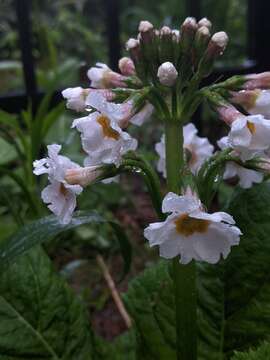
(187, 226)
(107, 130)
(251, 127)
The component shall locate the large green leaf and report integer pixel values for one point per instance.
(247, 287)
(40, 318)
(48, 227)
(262, 353)
(122, 348)
(150, 300)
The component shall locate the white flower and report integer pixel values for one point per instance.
(59, 195)
(144, 114)
(253, 101)
(76, 98)
(167, 74)
(250, 134)
(120, 113)
(123, 113)
(261, 104)
(102, 76)
(247, 177)
(83, 175)
(191, 232)
(102, 138)
(199, 149)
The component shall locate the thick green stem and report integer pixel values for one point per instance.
(184, 276)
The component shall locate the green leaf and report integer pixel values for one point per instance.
(10, 120)
(48, 227)
(51, 117)
(150, 301)
(7, 152)
(40, 318)
(122, 348)
(247, 288)
(262, 353)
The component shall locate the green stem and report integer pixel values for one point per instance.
(184, 276)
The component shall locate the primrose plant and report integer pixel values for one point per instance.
(161, 80)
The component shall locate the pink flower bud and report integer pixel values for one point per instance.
(76, 98)
(108, 94)
(133, 47)
(189, 25)
(228, 113)
(205, 22)
(126, 66)
(165, 31)
(176, 35)
(145, 26)
(245, 98)
(217, 45)
(257, 81)
(83, 175)
(132, 44)
(102, 76)
(202, 33)
(187, 34)
(146, 30)
(167, 74)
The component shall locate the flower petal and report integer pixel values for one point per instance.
(175, 203)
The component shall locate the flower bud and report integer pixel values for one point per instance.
(133, 47)
(185, 52)
(83, 175)
(202, 35)
(102, 76)
(166, 46)
(257, 81)
(263, 164)
(188, 30)
(146, 30)
(200, 44)
(253, 101)
(176, 35)
(217, 45)
(76, 98)
(228, 113)
(167, 74)
(126, 66)
(165, 31)
(215, 48)
(205, 22)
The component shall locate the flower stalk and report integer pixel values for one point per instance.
(184, 276)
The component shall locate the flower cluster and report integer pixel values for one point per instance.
(246, 112)
(161, 79)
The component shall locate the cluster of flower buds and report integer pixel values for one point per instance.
(163, 54)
